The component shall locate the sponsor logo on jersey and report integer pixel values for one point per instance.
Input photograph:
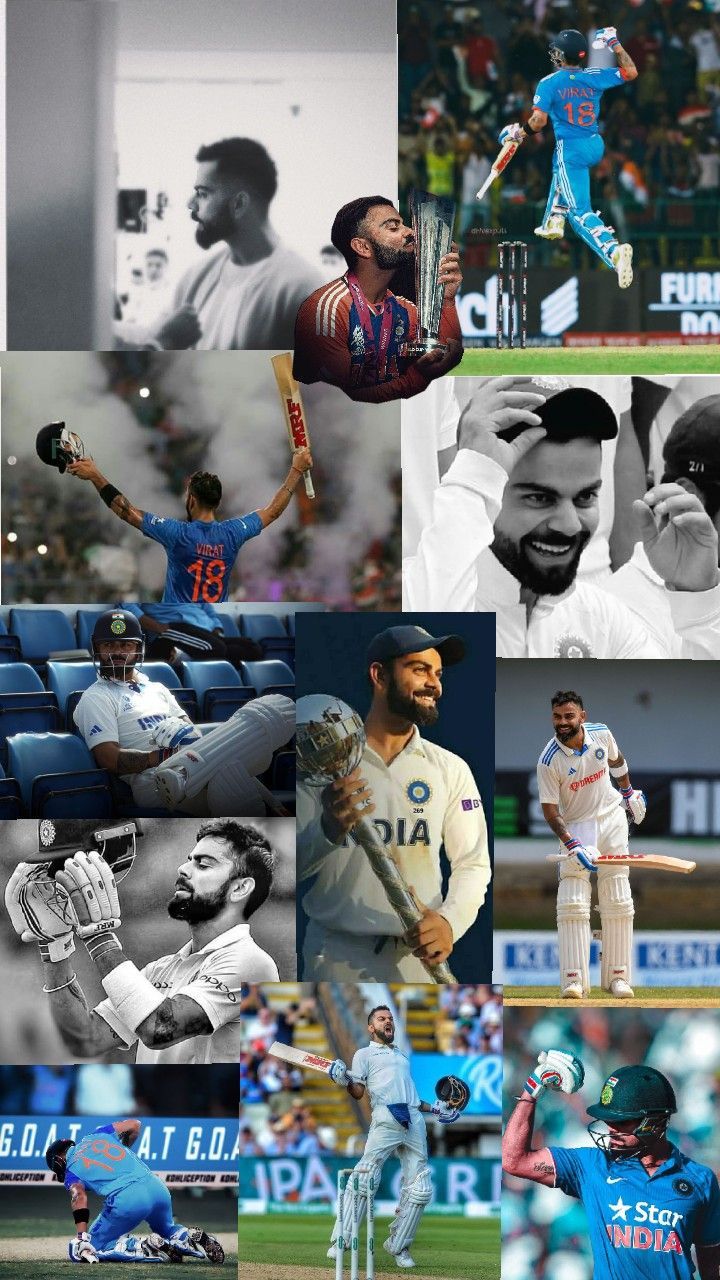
(585, 782)
(404, 831)
(95, 729)
(472, 803)
(418, 791)
(644, 1226)
(571, 772)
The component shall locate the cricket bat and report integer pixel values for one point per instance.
(293, 410)
(652, 861)
(507, 151)
(299, 1058)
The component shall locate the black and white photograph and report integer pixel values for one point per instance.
(133, 941)
(583, 512)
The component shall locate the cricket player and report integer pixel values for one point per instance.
(397, 1128)
(423, 797)
(202, 550)
(103, 1162)
(514, 512)
(647, 1203)
(350, 332)
(588, 814)
(135, 729)
(181, 1008)
(571, 97)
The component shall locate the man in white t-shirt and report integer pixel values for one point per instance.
(588, 814)
(181, 1008)
(246, 296)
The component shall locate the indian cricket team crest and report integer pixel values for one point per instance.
(118, 626)
(608, 1090)
(572, 646)
(46, 833)
(418, 791)
(600, 754)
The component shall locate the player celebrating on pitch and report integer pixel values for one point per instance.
(396, 1128)
(647, 1203)
(103, 1162)
(589, 817)
(570, 97)
(424, 796)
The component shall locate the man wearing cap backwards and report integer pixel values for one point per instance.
(422, 797)
(647, 1203)
(515, 510)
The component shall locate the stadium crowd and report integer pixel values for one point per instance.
(100, 1089)
(467, 69)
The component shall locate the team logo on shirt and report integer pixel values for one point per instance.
(599, 754)
(683, 1187)
(571, 646)
(418, 792)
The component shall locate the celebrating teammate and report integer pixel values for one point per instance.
(423, 796)
(589, 817)
(180, 1008)
(570, 97)
(202, 550)
(513, 513)
(136, 730)
(396, 1128)
(103, 1162)
(647, 1203)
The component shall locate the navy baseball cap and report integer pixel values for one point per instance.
(568, 414)
(395, 642)
(692, 448)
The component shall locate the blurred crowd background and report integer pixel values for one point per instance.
(118, 1091)
(467, 69)
(545, 1232)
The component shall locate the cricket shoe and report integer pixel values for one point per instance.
(403, 1259)
(553, 228)
(193, 1242)
(332, 1252)
(573, 991)
(621, 989)
(621, 259)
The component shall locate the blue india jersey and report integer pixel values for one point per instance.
(572, 98)
(641, 1226)
(200, 554)
(102, 1163)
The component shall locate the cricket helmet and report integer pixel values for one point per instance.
(633, 1093)
(57, 446)
(118, 624)
(56, 1157)
(453, 1090)
(692, 450)
(60, 838)
(568, 48)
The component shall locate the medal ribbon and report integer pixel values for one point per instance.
(384, 349)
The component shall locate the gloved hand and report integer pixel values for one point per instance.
(91, 886)
(586, 854)
(81, 1249)
(40, 911)
(605, 37)
(339, 1073)
(445, 1113)
(173, 734)
(511, 133)
(555, 1070)
(635, 802)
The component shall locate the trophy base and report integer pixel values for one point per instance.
(421, 347)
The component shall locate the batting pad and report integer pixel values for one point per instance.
(616, 913)
(573, 925)
(250, 737)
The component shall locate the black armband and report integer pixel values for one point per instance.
(529, 133)
(81, 1215)
(109, 493)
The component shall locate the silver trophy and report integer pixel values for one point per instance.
(330, 740)
(432, 222)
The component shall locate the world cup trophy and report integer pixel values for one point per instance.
(330, 740)
(432, 222)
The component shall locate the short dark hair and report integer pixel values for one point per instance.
(251, 854)
(206, 487)
(566, 695)
(245, 160)
(348, 222)
(372, 1012)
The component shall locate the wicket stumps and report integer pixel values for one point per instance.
(353, 1244)
(509, 248)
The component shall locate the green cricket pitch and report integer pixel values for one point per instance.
(479, 362)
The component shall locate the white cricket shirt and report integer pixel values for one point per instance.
(578, 780)
(385, 1072)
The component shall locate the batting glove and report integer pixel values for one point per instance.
(586, 854)
(445, 1113)
(635, 802)
(606, 37)
(511, 133)
(338, 1072)
(82, 1249)
(173, 734)
(91, 887)
(555, 1070)
(40, 911)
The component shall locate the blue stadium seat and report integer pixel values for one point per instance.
(291, 624)
(269, 676)
(260, 626)
(41, 632)
(57, 777)
(26, 706)
(68, 681)
(229, 625)
(85, 623)
(10, 802)
(9, 649)
(163, 673)
(218, 688)
(20, 677)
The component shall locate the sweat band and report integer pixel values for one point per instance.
(133, 997)
(108, 493)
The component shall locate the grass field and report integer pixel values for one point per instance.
(445, 1248)
(478, 362)
(649, 997)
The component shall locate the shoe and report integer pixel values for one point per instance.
(403, 1259)
(553, 228)
(574, 991)
(332, 1252)
(621, 989)
(621, 259)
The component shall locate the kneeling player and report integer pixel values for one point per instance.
(103, 1162)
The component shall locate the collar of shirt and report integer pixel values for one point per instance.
(676, 1160)
(413, 746)
(237, 932)
(500, 587)
(574, 751)
(137, 681)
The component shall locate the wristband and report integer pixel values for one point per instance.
(626, 792)
(619, 770)
(133, 997)
(81, 1215)
(109, 493)
(527, 131)
(100, 943)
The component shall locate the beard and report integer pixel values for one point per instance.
(401, 705)
(220, 227)
(194, 909)
(388, 259)
(542, 580)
